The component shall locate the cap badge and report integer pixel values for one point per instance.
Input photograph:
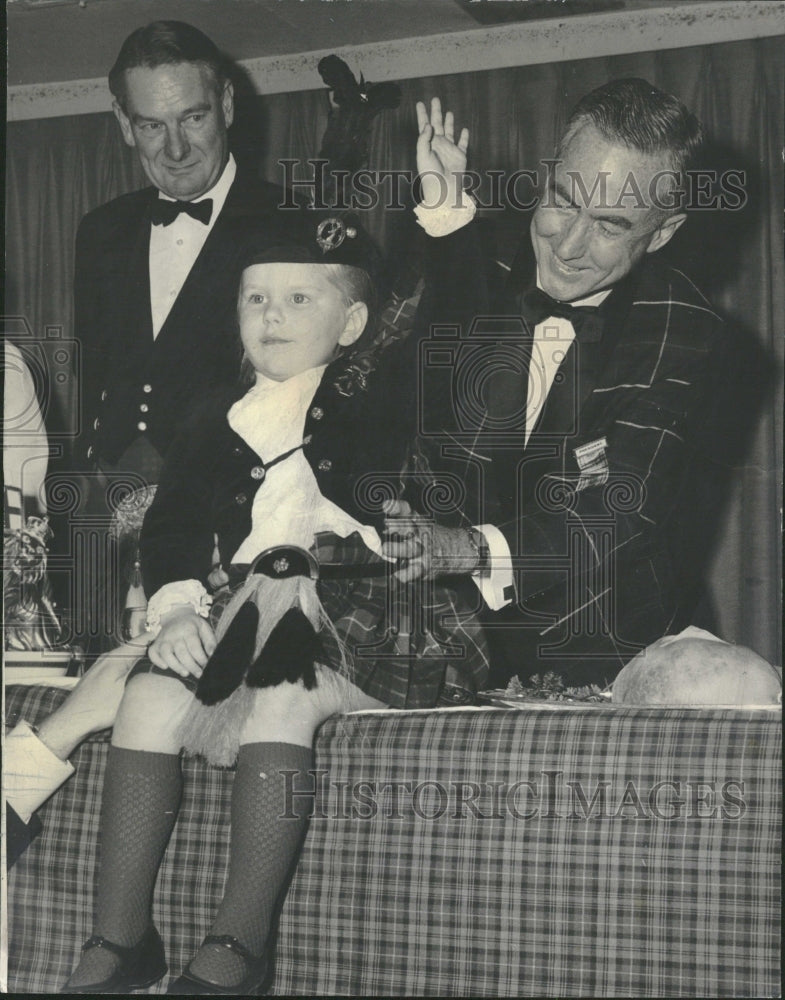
(331, 233)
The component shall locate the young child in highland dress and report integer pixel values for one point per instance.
(305, 457)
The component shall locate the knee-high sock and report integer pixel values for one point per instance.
(268, 825)
(141, 800)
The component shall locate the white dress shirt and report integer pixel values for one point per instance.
(174, 248)
(552, 340)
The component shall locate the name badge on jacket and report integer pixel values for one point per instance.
(593, 463)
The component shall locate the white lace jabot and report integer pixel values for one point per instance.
(288, 507)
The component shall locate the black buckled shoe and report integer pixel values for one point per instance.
(140, 966)
(256, 974)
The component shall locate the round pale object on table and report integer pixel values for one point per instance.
(697, 668)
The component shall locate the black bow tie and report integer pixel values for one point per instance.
(537, 305)
(163, 213)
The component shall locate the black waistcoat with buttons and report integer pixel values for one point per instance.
(131, 383)
(358, 432)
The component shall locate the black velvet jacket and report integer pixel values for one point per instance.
(358, 429)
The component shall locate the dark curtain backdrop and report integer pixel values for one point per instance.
(58, 169)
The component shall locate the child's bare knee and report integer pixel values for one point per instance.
(151, 708)
(289, 713)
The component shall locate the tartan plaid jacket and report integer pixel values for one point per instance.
(358, 433)
(600, 508)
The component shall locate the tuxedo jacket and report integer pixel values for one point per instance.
(358, 432)
(599, 507)
(126, 377)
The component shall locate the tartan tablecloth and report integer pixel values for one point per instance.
(571, 852)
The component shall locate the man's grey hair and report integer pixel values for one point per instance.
(636, 114)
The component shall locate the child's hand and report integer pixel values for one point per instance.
(185, 643)
(438, 155)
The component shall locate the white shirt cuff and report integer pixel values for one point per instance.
(31, 772)
(173, 594)
(443, 219)
(497, 587)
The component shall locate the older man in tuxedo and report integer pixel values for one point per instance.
(155, 288)
(155, 282)
(577, 397)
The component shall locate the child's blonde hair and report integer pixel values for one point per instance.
(355, 286)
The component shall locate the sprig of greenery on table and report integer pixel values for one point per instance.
(551, 687)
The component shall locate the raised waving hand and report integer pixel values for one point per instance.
(441, 161)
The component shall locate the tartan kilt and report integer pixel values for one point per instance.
(398, 643)
(402, 644)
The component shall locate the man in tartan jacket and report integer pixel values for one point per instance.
(573, 431)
